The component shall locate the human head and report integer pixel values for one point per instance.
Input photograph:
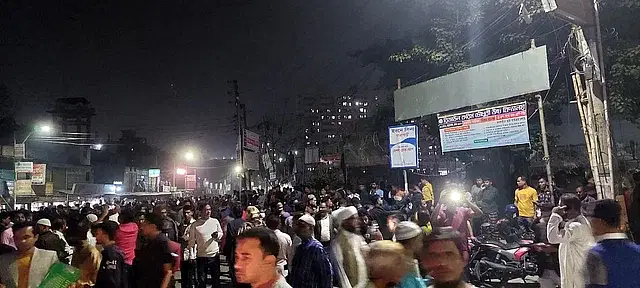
(105, 232)
(605, 217)
(256, 256)
(442, 256)
(348, 219)
(521, 182)
(162, 210)
(43, 225)
(488, 182)
(304, 227)
(479, 181)
(542, 183)
(152, 225)
(59, 224)
(573, 203)
(273, 221)
(236, 211)
(386, 263)
(187, 212)
(19, 217)
(409, 234)
(205, 211)
(5, 219)
(580, 192)
(423, 181)
(127, 216)
(24, 236)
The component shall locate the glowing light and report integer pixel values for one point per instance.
(181, 171)
(238, 169)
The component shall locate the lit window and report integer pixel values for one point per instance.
(328, 110)
(339, 123)
(349, 104)
(322, 117)
(366, 103)
(344, 103)
(311, 110)
(357, 103)
(333, 117)
(339, 110)
(362, 110)
(316, 142)
(308, 143)
(318, 129)
(306, 137)
(349, 117)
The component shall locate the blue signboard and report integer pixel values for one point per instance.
(403, 146)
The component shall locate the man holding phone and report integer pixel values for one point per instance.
(205, 234)
(575, 239)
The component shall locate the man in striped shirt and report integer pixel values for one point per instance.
(310, 267)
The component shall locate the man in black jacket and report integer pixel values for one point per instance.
(487, 201)
(111, 273)
(47, 240)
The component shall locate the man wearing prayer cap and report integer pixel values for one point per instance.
(347, 248)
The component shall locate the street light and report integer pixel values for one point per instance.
(189, 156)
(181, 171)
(238, 169)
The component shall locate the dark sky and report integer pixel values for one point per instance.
(161, 67)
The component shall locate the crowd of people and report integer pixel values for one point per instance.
(300, 237)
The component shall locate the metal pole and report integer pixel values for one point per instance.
(404, 171)
(545, 145)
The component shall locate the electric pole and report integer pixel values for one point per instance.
(240, 123)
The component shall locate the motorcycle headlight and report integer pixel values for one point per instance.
(455, 196)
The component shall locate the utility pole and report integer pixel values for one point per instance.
(545, 146)
(247, 172)
(592, 106)
(240, 129)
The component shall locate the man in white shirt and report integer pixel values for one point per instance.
(205, 234)
(324, 228)
(575, 239)
(273, 223)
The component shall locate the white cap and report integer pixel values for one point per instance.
(92, 218)
(44, 221)
(407, 230)
(344, 214)
(306, 218)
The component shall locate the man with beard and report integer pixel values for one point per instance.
(442, 256)
(347, 249)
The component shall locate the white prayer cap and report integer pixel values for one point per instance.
(407, 230)
(307, 219)
(344, 214)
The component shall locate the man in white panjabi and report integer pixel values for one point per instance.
(347, 248)
(575, 239)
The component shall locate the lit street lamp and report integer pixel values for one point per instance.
(189, 156)
(238, 169)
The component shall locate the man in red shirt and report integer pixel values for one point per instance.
(455, 210)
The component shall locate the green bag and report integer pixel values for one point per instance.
(60, 276)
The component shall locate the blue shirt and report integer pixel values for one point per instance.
(311, 267)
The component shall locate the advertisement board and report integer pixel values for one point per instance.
(251, 141)
(24, 167)
(403, 146)
(154, 173)
(23, 187)
(39, 174)
(495, 126)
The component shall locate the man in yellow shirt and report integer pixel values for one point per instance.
(427, 192)
(525, 200)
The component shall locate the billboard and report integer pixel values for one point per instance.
(403, 146)
(154, 172)
(484, 128)
(24, 167)
(39, 174)
(518, 74)
(251, 141)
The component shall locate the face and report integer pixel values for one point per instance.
(164, 213)
(188, 214)
(303, 230)
(520, 182)
(542, 183)
(580, 191)
(444, 261)
(101, 237)
(20, 218)
(352, 224)
(25, 239)
(486, 183)
(206, 211)
(251, 263)
(478, 182)
(6, 221)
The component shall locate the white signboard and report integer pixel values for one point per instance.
(495, 126)
(403, 146)
(19, 150)
(39, 174)
(24, 167)
(251, 141)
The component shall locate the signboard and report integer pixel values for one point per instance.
(48, 190)
(24, 167)
(272, 175)
(19, 150)
(154, 173)
(190, 181)
(403, 146)
(251, 141)
(23, 187)
(39, 174)
(251, 161)
(484, 128)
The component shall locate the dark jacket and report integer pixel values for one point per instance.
(488, 200)
(49, 241)
(111, 273)
(230, 239)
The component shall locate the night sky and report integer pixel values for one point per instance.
(160, 67)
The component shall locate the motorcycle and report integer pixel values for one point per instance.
(494, 260)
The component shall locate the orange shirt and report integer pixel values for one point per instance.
(24, 263)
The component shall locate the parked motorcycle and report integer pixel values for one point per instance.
(494, 260)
